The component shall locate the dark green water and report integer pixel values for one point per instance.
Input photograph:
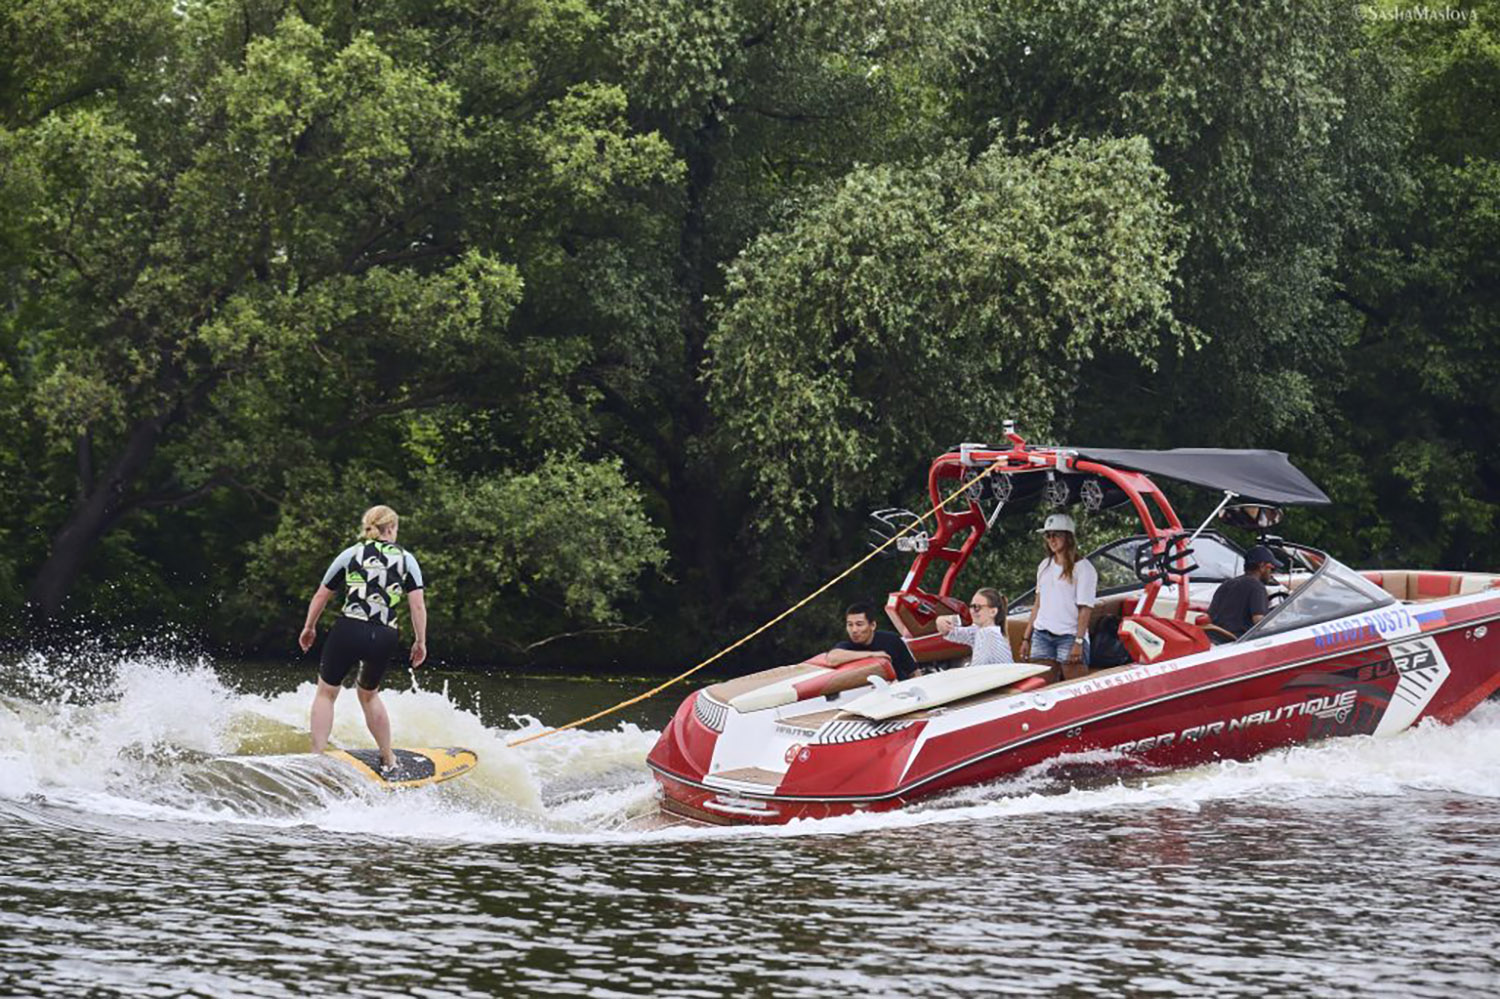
(135, 863)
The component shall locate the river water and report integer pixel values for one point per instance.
(135, 861)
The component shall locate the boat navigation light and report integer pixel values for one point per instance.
(913, 543)
(1251, 516)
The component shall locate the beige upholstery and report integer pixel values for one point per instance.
(1015, 627)
(1015, 630)
(1418, 586)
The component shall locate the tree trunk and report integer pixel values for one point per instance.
(102, 504)
(693, 495)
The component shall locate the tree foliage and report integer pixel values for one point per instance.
(632, 308)
(1424, 370)
(1265, 119)
(249, 271)
(904, 306)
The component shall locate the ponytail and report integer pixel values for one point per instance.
(996, 599)
(376, 520)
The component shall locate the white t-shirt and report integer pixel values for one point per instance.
(990, 643)
(1059, 600)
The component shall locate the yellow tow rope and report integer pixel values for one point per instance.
(769, 624)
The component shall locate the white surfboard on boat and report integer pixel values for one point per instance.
(825, 680)
(934, 689)
(772, 695)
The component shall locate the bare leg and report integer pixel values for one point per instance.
(322, 715)
(379, 723)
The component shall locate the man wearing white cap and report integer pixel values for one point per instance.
(1065, 587)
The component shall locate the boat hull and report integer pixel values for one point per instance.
(1375, 677)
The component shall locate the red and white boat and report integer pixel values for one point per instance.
(1343, 652)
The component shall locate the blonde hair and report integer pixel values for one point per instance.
(376, 520)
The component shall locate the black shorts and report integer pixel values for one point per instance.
(353, 641)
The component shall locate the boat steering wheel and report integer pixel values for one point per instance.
(1223, 635)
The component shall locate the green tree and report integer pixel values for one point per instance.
(762, 101)
(1422, 400)
(1270, 122)
(244, 267)
(905, 306)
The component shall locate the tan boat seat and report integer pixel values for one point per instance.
(1418, 586)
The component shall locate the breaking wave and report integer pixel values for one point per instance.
(104, 740)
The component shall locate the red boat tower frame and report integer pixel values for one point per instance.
(913, 609)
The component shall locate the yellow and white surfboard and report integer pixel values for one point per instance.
(414, 767)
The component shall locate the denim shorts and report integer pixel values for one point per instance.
(1046, 645)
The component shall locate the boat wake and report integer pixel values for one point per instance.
(147, 738)
(142, 745)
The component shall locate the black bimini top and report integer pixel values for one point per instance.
(1268, 476)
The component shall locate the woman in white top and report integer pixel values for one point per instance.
(1065, 586)
(986, 634)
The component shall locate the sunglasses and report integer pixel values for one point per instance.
(980, 607)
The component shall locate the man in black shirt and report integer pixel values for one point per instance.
(864, 640)
(1241, 602)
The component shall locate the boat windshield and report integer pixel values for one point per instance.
(1215, 558)
(1218, 559)
(1334, 591)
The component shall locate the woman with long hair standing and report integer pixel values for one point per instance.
(376, 573)
(1057, 631)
